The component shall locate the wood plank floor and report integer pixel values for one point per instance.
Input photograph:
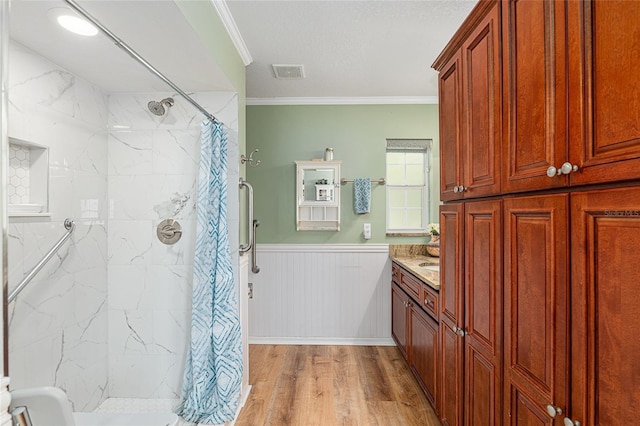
(333, 385)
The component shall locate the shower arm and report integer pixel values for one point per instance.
(70, 226)
(121, 44)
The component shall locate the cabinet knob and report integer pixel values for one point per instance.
(461, 332)
(456, 189)
(565, 169)
(569, 422)
(553, 411)
(462, 188)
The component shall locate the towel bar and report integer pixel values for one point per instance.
(381, 181)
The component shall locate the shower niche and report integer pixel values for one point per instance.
(318, 195)
(28, 179)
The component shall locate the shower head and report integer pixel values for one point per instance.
(158, 108)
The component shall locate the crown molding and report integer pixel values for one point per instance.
(232, 29)
(363, 100)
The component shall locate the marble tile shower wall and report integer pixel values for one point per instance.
(152, 175)
(58, 325)
(108, 316)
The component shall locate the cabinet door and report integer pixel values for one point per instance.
(450, 111)
(399, 307)
(536, 286)
(451, 313)
(483, 312)
(535, 86)
(424, 351)
(604, 90)
(482, 111)
(605, 272)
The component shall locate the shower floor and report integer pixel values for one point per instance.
(137, 405)
(141, 406)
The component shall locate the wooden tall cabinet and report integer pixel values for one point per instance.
(470, 118)
(541, 331)
(471, 313)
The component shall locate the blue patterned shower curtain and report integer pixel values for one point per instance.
(213, 370)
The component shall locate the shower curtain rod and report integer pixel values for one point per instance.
(121, 44)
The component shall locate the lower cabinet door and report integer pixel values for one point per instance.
(451, 362)
(424, 351)
(536, 287)
(605, 307)
(399, 308)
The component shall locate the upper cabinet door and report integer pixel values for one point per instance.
(470, 97)
(604, 90)
(482, 112)
(450, 108)
(535, 136)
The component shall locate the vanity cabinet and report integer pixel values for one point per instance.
(470, 96)
(572, 93)
(318, 195)
(415, 328)
(471, 313)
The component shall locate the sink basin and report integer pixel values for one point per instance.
(429, 266)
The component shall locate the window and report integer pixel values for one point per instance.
(408, 185)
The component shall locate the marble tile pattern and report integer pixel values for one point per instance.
(58, 324)
(112, 309)
(152, 176)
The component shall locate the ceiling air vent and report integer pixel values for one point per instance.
(288, 72)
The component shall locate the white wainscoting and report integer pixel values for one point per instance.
(321, 294)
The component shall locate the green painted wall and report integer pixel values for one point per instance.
(358, 134)
(207, 23)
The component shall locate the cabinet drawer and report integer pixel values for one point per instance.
(411, 285)
(430, 301)
(395, 273)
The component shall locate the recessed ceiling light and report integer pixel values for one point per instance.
(72, 22)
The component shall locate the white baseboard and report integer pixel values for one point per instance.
(326, 341)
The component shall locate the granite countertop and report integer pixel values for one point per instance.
(415, 259)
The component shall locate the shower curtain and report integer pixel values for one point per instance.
(213, 370)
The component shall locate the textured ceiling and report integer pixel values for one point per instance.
(365, 48)
(348, 48)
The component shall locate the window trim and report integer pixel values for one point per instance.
(410, 146)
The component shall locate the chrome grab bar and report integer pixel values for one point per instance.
(70, 226)
(254, 267)
(246, 247)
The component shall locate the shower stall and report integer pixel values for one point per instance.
(108, 317)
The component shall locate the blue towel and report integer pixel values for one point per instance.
(362, 195)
